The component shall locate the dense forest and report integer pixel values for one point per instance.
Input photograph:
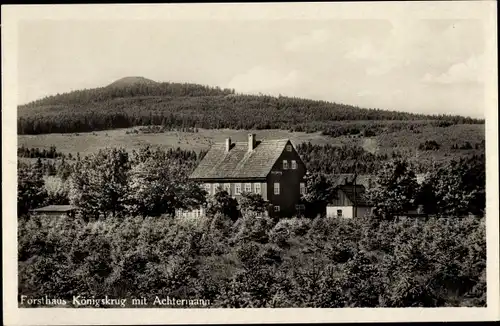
(127, 242)
(329, 159)
(175, 105)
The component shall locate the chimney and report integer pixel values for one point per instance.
(228, 144)
(251, 142)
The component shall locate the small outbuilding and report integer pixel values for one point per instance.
(56, 210)
(350, 202)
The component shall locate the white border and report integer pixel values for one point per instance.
(11, 14)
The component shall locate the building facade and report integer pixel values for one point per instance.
(271, 168)
(350, 202)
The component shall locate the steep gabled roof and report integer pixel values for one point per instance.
(355, 193)
(239, 163)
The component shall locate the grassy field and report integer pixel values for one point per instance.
(405, 141)
(93, 141)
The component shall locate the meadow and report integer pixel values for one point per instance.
(91, 142)
(403, 140)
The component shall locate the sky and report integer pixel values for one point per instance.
(424, 66)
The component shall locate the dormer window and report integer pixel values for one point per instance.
(285, 165)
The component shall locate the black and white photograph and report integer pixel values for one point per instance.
(183, 159)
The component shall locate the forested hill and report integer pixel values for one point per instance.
(134, 101)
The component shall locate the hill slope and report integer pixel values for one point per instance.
(135, 101)
(130, 81)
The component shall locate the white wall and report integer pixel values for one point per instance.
(347, 211)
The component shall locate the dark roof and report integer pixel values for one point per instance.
(366, 180)
(356, 194)
(56, 208)
(342, 179)
(239, 163)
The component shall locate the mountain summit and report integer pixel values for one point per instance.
(132, 80)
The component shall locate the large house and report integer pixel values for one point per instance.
(271, 168)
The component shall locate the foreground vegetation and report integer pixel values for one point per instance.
(257, 262)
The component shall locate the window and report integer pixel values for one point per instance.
(302, 188)
(227, 188)
(294, 165)
(276, 188)
(285, 165)
(339, 212)
(276, 208)
(237, 190)
(248, 187)
(208, 187)
(257, 188)
(300, 208)
(216, 188)
(288, 148)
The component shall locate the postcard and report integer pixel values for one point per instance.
(250, 163)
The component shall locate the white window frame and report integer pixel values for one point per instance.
(208, 188)
(277, 188)
(339, 215)
(302, 188)
(277, 208)
(248, 187)
(294, 165)
(216, 185)
(257, 188)
(285, 165)
(288, 148)
(237, 188)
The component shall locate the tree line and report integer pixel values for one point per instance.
(153, 182)
(331, 159)
(35, 152)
